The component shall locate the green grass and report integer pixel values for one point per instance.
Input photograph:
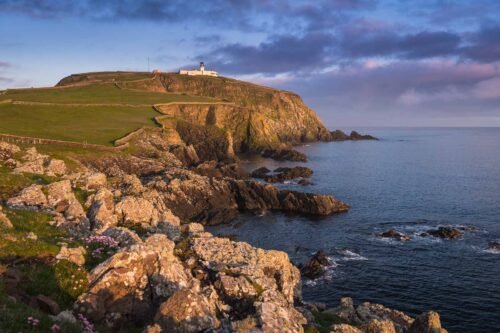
(14, 244)
(13, 317)
(106, 93)
(11, 183)
(96, 124)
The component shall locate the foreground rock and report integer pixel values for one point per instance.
(372, 317)
(207, 283)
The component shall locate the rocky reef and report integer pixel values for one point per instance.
(155, 268)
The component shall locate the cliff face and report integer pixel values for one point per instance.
(254, 117)
(261, 117)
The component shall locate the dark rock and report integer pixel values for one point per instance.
(304, 182)
(356, 136)
(46, 304)
(445, 233)
(289, 173)
(315, 267)
(495, 245)
(284, 155)
(428, 322)
(260, 172)
(338, 135)
(395, 235)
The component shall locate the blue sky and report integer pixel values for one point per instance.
(356, 62)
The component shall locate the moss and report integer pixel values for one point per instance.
(325, 320)
(183, 249)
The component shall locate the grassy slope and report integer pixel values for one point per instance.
(96, 124)
(96, 94)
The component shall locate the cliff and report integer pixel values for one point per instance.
(254, 117)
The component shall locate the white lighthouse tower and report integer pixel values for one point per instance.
(200, 71)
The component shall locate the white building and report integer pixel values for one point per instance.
(200, 71)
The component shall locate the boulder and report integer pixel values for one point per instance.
(315, 266)
(75, 255)
(46, 304)
(344, 328)
(395, 235)
(378, 326)
(95, 181)
(187, 312)
(275, 315)
(428, 322)
(62, 199)
(7, 151)
(101, 212)
(4, 220)
(372, 311)
(33, 162)
(264, 269)
(136, 211)
(134, 281)
(124, 236)
(55, 167)
(345, 311)
(32, 197)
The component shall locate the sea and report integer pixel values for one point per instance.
(411, 180)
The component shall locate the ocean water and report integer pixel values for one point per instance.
(411, 180)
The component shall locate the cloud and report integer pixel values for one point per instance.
(4, 65)
(280, 54)
(483, 90)
(421, 45)
(484, 45)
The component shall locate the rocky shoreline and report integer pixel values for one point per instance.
(155, 268)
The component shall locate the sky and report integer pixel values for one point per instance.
(357, 63)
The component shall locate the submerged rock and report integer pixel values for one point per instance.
(444, 233)
(283, 174)
(395, 235)
(315, 267)
(284, 155)
(260, 172)
(495, 245)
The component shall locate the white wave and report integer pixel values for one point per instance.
(348, 255)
